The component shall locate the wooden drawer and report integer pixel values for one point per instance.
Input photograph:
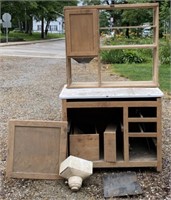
(84, 146)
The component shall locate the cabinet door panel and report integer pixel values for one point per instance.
(81, 32)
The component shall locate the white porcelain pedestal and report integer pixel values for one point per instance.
(75, 170)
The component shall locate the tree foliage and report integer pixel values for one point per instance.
(22, 12)
(165, 20)
(134, 16)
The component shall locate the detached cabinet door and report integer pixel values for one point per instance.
(81, 27)
(36, 149)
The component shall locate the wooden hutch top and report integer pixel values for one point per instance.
(83, 42)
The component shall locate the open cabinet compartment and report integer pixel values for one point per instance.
(98, 134)
(93, 133)
(142, 149)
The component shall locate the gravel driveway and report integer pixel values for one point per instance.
(29, 89)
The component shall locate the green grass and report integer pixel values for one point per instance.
(143, 72)
(165, 78)
(18, 36)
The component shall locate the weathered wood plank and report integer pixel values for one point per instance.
(85, 146)
(110, 143)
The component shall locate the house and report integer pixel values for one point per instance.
(56, 26)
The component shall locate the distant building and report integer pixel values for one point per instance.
(54, 27)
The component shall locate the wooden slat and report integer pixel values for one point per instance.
(114, 84)
(159, 135)
(110, 143)
(23, 175)
(83, 85)
(99, 71)
(64, 110)
(144, 119)
(116, 6)
(125, 134)
(68, 71)
(156, 41)
(125, 27)
(129, 84)
(36, 149)
(150, 162)
(99, 104)
(139, 134)
(138, 46)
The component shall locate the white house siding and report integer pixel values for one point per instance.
(54, 27)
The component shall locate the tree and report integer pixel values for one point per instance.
(91, 2)
(165, 13)
(49, 11)
(23, 12)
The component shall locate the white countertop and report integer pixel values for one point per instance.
(102, 93)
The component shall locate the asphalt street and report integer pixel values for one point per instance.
(47, 49)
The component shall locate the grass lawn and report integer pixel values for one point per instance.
(143, 72)
(18, 36)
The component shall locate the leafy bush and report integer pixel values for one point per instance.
(132, 57)
(122, 56)
(112, 56)
(165, 55)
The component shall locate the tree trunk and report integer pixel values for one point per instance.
(27, 26)
(42, 28)
(127, 31)
(30, 25)
(47, 27)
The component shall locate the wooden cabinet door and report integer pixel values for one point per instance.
(81, 27)
(36, 149)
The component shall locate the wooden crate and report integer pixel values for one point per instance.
(110, 144)
(36, 149)
(84, 146)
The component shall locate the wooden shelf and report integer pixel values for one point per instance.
(144, 119)
(128, 84)
(83, 40)
(146, 134)
(114, 84)
(116, 6)
(125, 27)
(138, 46)
(132, 163)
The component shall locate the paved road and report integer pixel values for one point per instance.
(50, 49)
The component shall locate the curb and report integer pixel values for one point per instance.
(29, 42)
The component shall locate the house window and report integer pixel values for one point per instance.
(39, 27)
(53, 27)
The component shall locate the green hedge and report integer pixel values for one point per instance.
(122, 56)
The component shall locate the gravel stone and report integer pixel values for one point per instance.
(29, 89)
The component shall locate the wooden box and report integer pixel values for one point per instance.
(85, 146)
(81, 27)
(110, 144)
